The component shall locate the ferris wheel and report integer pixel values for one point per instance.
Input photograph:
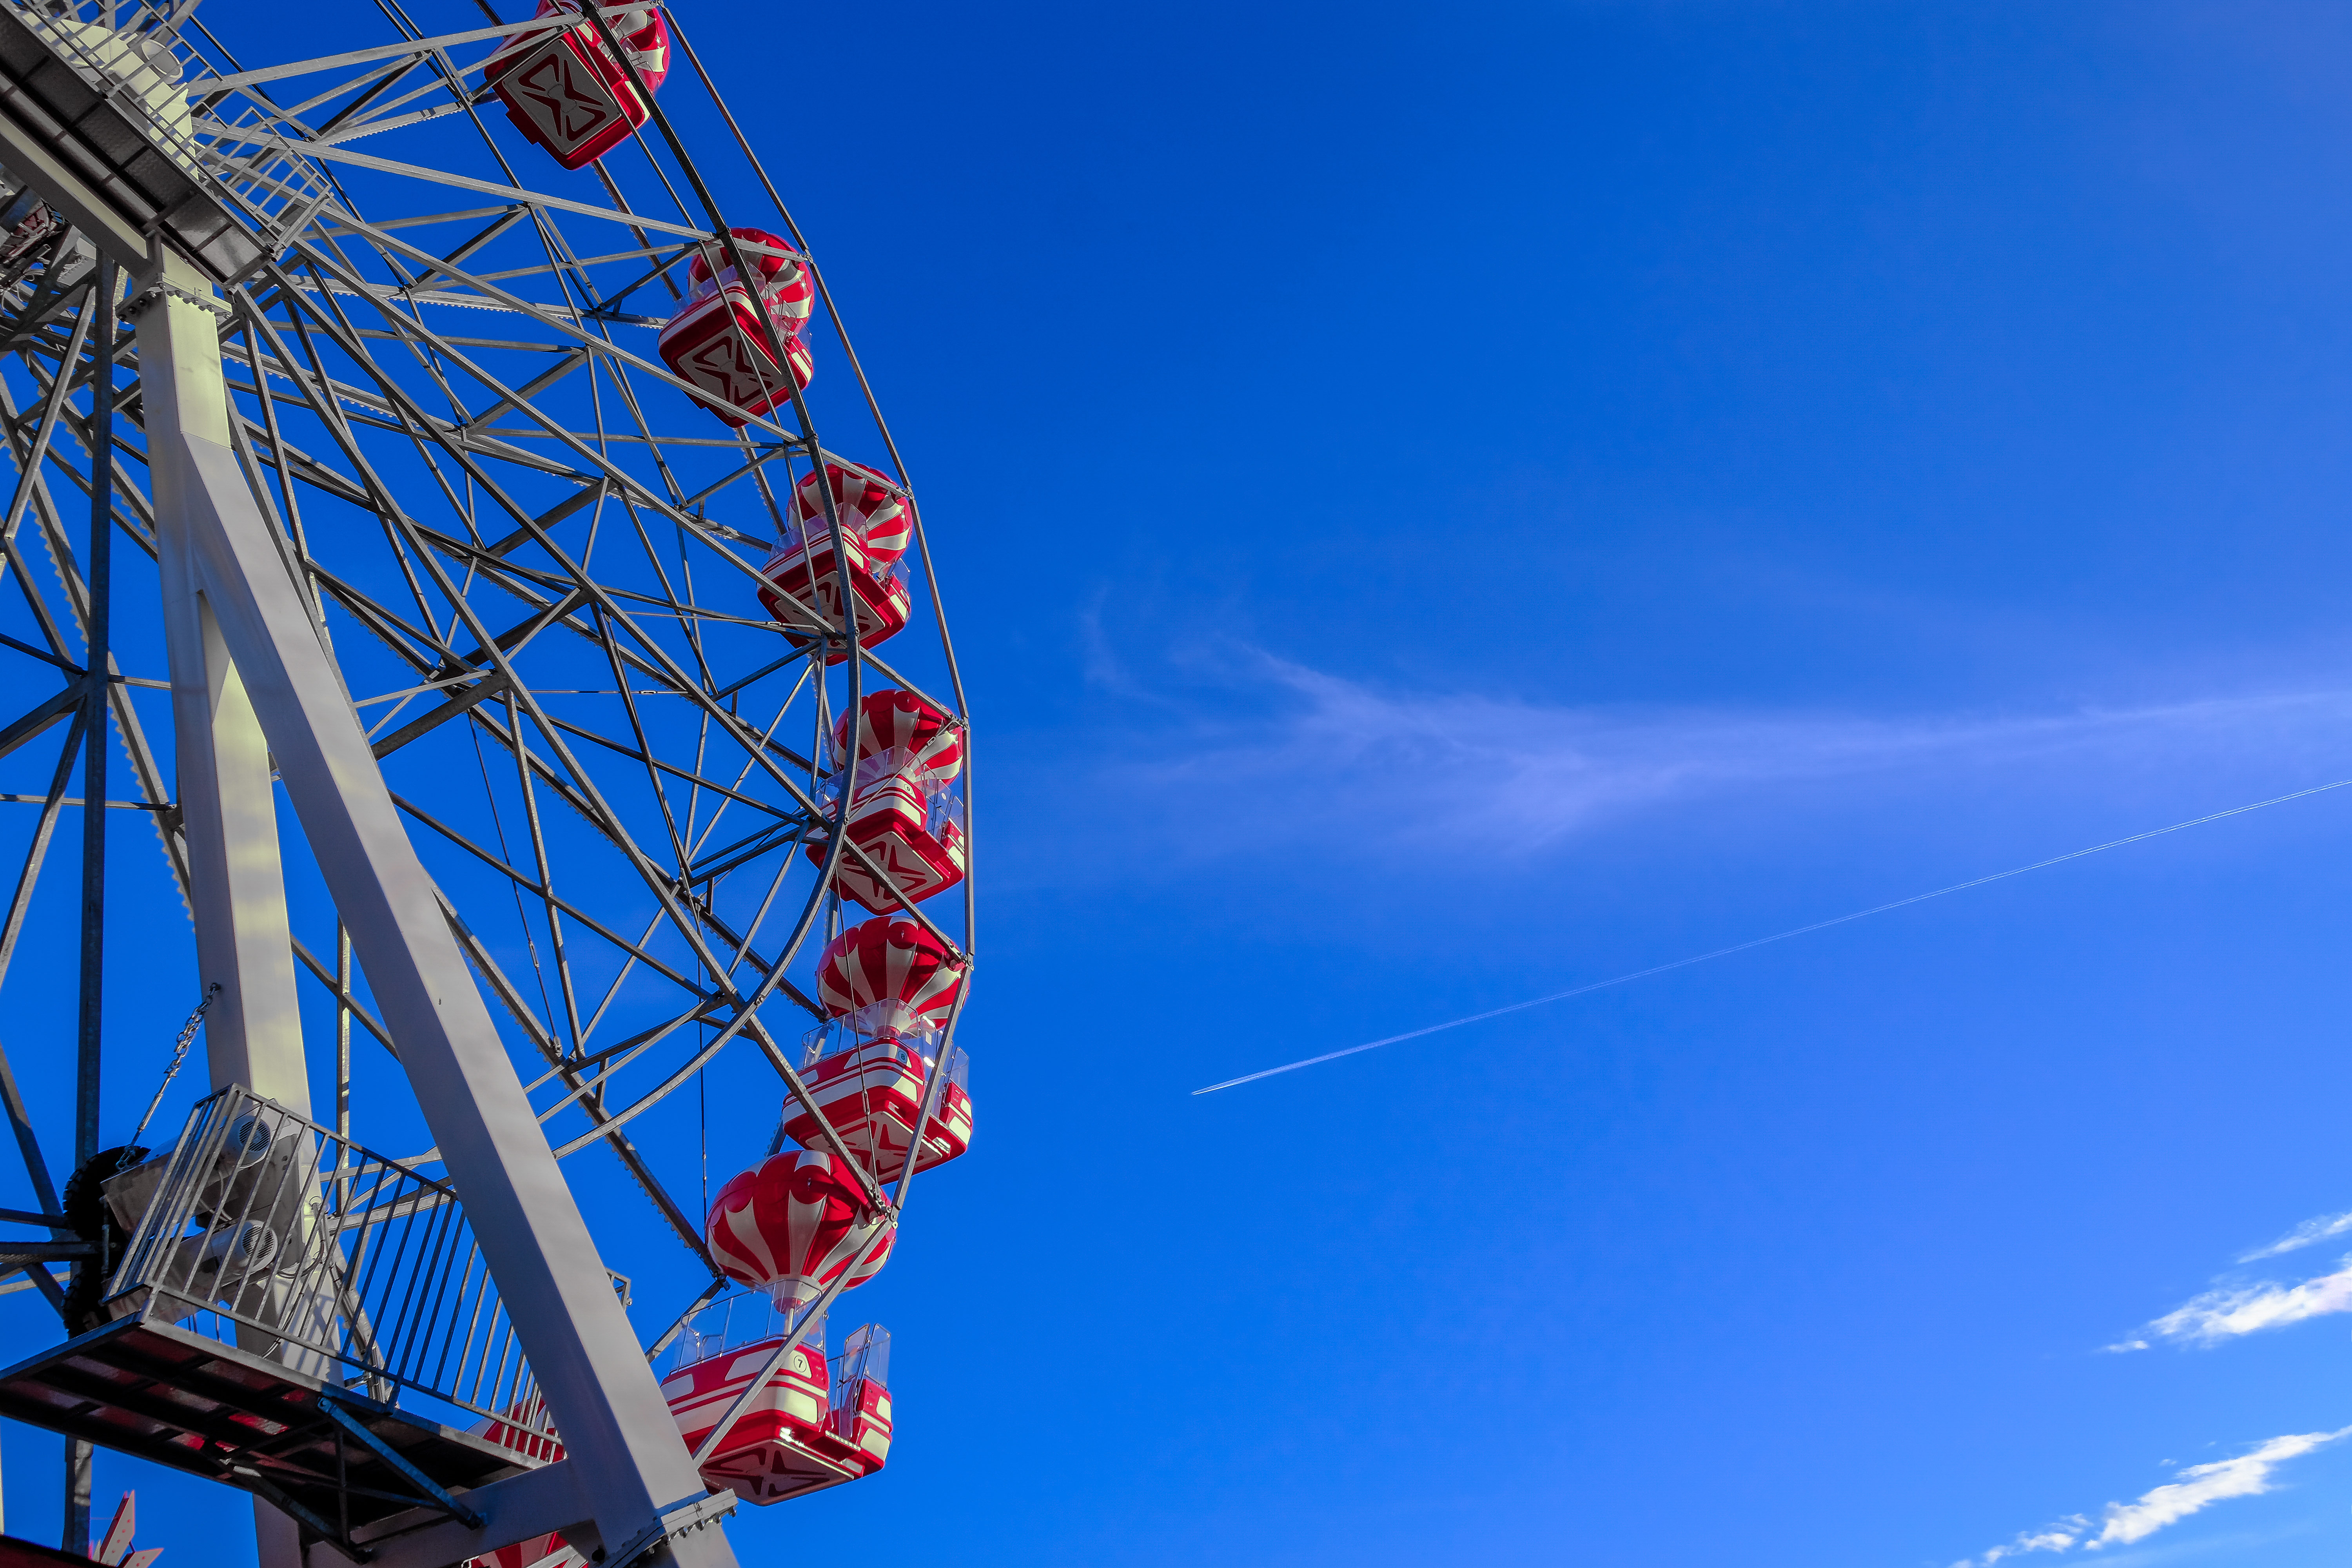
(485, 563)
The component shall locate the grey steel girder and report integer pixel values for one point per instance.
(603, 1395)
(229, 808)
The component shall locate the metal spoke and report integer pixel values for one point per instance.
(535, 565)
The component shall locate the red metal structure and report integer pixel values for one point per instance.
(767, 1415)
(876, 529)
(567, 92)
(903, 808)
(720, 340)
(794, 1223)
(888, 987)
(800, 1431)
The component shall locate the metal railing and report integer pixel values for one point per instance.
(227, 195)
(266, 1229)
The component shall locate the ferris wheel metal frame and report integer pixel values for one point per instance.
(297, 365)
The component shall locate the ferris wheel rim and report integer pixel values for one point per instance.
(860, 659)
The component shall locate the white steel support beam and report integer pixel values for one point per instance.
(229, 810)
(615, 1426)
(227, 804)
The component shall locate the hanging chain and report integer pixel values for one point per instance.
(179, 1055)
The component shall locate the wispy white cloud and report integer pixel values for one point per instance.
(2302, 1236)
(2062, 1536)
(2236, 1307)
(2232, 1312)
(2199, 1487)
(1407, 768)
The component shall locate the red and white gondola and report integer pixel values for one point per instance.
(791, 1225)
(871, 1093)
(717, 342)
(876, 529)
(798, 1433)
(775, 1450)
(564, 90)
(891, 985)
(902, 812)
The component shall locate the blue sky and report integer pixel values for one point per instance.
(1442, 507)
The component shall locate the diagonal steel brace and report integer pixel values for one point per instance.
(428, 1490)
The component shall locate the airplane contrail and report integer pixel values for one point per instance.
(1765, 940)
